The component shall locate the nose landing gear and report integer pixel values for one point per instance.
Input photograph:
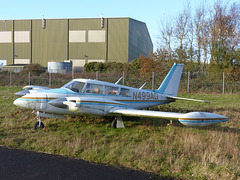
(38, 124)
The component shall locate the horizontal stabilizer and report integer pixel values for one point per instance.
(187, 99)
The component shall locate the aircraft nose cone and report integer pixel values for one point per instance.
(17, 102)
(22, 102)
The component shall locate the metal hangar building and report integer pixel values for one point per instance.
(81, 40)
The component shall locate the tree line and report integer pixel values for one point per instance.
(210, 36)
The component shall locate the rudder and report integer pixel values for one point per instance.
(171, 82)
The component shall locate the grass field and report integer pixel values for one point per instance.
(190, 153)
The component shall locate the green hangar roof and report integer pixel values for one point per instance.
(81, 40)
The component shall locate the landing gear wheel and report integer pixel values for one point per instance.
(38, 125)
(117, 122)
(114, 123)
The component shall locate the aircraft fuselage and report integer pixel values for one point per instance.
(93, 97)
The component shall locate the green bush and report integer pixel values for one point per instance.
(34, 69)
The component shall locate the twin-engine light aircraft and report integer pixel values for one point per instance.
(93, 97)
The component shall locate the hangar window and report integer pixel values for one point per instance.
(77, 36)
(5, 36)
(21, 36)
(94, 89)
(96, 36)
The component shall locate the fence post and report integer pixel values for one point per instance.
(97, 75)
(29, 78)
(152, 80)
(50, 79)
(223, 84)
(123, 77)
(188, 83)
(10, 78)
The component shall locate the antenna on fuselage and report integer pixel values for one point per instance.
(119, 80)
(143, 85)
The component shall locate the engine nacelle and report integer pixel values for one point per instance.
(201, 119)
(86, 105)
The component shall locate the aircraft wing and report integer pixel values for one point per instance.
(187, 119)
(31, 89)
(146, 113)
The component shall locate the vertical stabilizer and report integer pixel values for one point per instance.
(171, 82)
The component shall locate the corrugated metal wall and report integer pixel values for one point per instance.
(22, 45)
(49, 44)
(118, 39)
(6, 48)
(87, 50)
(140, 42)
(82, 40)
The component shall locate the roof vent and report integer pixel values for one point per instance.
(102, 21)
(43, 23)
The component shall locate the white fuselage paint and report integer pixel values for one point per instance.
(89, 103)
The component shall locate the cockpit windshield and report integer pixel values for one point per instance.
(75, 86)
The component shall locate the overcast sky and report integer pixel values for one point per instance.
(152, 12)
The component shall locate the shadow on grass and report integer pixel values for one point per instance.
(164, 123)
(219, 128)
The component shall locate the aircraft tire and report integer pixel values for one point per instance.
(36, 126)
(114, 123)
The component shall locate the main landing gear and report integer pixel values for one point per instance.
(117, 122)
(38, 124)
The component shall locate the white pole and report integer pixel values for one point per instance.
(188, 86)
(97, 75)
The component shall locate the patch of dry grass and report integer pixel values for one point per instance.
(193, 153)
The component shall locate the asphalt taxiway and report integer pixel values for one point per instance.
(22, 164)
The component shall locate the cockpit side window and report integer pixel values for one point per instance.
(94, 89)
(75, 86)
(124, 92)
(111, 90)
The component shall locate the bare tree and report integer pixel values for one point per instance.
(212, 33)
(191, 40)
(181, 31)
(198, 22)
(201, 32)
(234, 31)
(205, 41)
(224, 34)
(166, 33)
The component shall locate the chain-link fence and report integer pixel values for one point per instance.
(190, 82)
